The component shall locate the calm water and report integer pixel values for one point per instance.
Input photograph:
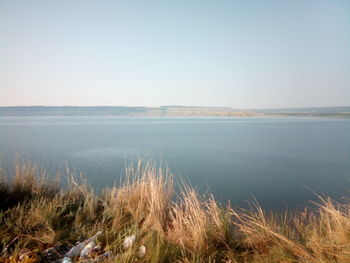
(276, 160)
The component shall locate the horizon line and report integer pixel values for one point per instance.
(180, 106)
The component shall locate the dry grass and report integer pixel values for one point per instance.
(145, 196)
(27, 183)
(35, 214)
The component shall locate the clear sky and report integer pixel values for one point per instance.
(241, 54)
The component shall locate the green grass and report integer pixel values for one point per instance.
(36, 214)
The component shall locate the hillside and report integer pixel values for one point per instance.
(170, 111)
(314, 111)
(122, 111)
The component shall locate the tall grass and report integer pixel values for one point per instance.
(36, 214)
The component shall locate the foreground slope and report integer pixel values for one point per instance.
(139, 221)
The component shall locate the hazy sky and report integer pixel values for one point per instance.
(242, 54)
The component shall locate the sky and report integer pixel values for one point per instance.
(242, 54)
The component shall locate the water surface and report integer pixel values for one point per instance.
(275, 160)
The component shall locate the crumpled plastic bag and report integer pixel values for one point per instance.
(76, 250)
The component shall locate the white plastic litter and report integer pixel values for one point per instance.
(63, 260)
(97, 249)
(66, 260)
(142, 251)
(129, 241)
(77, 249)
(87, 249)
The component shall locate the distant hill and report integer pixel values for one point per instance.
(315, 111)
(164, 111)
(202, 111)
(122, 111)
(69, 111)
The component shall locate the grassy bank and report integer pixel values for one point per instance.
(37, 215)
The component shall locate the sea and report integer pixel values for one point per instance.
(279, 162)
